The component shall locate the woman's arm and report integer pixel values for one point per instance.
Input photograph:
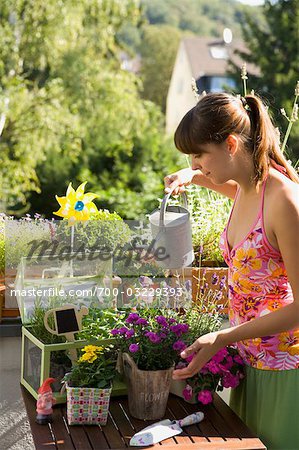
(285, 227)
(184, 177)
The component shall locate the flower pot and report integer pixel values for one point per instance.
(148, 390)
(87, 406)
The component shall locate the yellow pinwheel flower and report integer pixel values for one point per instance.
(76, 205)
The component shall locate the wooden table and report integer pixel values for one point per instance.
(221, 428)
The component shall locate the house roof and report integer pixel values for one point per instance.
(200, 50)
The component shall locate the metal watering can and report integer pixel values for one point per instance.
(171, 233)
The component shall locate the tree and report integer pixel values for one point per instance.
(70, 112)
(158, 50)
(277, 58)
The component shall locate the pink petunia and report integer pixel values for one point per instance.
(212, 367)
(230, 380)
(187, 392)
(205, 397)
(218, 358)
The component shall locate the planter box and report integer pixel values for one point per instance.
(87, 406)
(208, 278)
(40, 361)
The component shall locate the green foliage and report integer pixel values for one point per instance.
(37, 327)
(209, 212)
(72, 113)
(158, 49)
(98, 323)
(96, 368)
(277, 59)
(199, 16)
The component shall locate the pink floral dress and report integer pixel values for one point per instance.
(258, 285)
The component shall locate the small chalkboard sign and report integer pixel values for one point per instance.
(66, 321)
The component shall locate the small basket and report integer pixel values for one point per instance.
(87, 406)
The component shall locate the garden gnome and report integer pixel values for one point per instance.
(44, 403)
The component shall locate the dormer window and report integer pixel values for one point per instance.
(219, 52)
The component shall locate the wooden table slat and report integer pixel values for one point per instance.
(232, 418)
(96, 437)
(124, 425)
(78, 435)
(140, 424)
(221, 428)
(193, 431)
(112, 434)
(206, 426)
(42, 436)
(60, 431)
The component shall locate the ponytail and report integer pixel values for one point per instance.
(266, 143)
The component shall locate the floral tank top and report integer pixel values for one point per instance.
(258, 285)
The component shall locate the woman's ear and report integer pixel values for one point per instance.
(232, 144)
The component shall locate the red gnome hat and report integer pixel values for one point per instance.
(45, 387)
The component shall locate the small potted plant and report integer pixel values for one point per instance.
(224, 370)
(150, 341)
(89, 385)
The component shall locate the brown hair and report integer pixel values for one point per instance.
(217, 115)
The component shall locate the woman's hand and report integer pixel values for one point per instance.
(178, 180)
(203, 349)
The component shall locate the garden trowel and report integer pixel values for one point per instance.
(164, 429)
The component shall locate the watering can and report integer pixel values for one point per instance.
(171, 233)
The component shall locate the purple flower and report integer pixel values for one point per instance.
(123, 330)
(188, 285)
(134, 348)
(179, 346)
(179, 329)
(205, 397)
(141, 321)
(221, 285)
(132, 318)
(153, 337)
(161, 320)
(129, 334)
(214, 278)
(114, 332)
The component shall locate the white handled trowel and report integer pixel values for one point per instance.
(164, 429)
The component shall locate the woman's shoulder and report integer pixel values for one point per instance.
(281, 187)
(281, 190)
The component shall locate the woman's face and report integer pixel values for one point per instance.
(214, 161)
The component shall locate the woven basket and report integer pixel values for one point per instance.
(87, 406)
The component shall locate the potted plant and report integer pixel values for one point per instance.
(89, 386)
(224, 370)
(150, 341)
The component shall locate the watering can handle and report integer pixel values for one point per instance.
(164, 205)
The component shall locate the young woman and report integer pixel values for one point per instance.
(235, 151)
